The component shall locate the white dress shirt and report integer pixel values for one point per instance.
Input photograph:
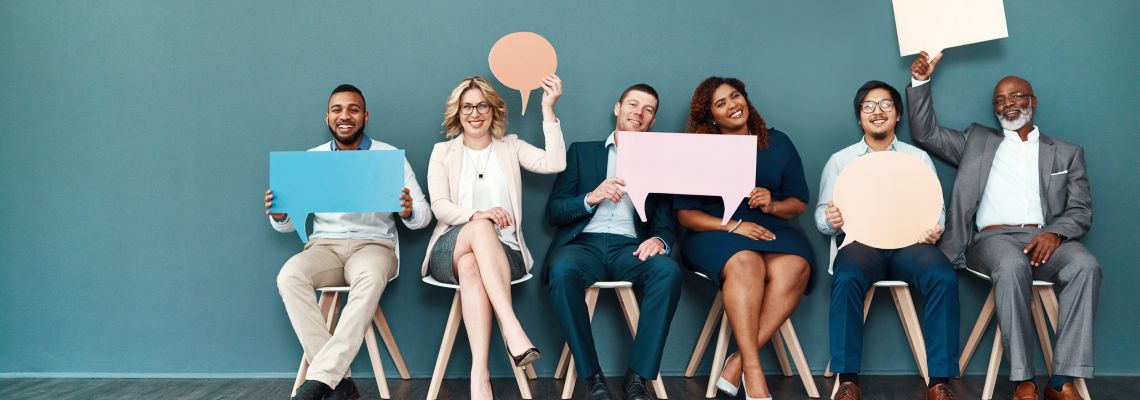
(1012, 195)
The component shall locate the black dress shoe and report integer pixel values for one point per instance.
(313, 390)
(345, 390)
(634, 387)
(597, 388)
(527, 357)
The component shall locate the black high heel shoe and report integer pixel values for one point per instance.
(526, 358)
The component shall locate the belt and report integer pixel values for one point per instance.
(992, 227)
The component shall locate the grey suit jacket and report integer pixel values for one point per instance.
(1065, 198)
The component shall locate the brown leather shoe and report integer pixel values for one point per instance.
(1068, 392)
(940, 391)
(848, 391)
(1025, 391)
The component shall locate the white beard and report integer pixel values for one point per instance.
(1025, 115)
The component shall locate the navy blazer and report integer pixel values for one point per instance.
(566, 210)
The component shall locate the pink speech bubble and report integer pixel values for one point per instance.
(687, 163)
(520, 60)
(888, 199)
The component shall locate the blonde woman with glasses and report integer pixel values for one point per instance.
(475, 186)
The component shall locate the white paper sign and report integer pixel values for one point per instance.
(934, 25)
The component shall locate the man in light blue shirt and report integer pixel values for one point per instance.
(856, 267)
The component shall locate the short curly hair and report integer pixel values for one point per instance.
(452, 126)
(700, 110)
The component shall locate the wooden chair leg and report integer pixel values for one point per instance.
(992, 369)
(377, 366)
(866, 310)
(781, 356)
(705, 336)
(520, 374)
(1052, 308)
(563, 362)
(719, 354)
(1082, 388)
(571, 374)
(789, 333)
(390, 343)
(530, 373)
(454, 319)
(905, 307)
(1042, 331)
(632, 311)
(984, 318)
(834, 387)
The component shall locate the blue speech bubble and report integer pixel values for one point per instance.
(305, 182)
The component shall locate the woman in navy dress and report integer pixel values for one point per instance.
(761, 263)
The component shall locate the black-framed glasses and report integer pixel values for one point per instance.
(483, 108)
(869, 106)
(1017, 97)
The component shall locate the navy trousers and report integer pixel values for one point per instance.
(593, 257)
(921, 266)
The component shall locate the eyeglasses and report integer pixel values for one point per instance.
(1017, 97)
(483, 108)
(869, 106)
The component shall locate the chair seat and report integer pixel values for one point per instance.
(612, 284)
(432, 281)
(890, 284)
(1036, 282)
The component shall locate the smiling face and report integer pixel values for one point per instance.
(1014, 103)
(346, 117)
(879, 123)
(478, 122)
(636, 112)
(729, 109)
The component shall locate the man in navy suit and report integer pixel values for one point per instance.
(599, 237)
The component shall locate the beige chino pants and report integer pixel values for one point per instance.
(363, 265)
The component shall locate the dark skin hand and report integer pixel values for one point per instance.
(1041, 247)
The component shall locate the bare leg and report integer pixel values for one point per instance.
(477, 321)
(743, 291)
(479, 237)
(785, 281)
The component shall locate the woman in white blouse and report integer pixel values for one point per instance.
(476, 195)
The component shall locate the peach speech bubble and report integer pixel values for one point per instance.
(520, 60)
(687, 163)
(888, 199)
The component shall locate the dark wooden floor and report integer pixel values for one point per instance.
(874, 388)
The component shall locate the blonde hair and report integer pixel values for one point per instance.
(452, 126)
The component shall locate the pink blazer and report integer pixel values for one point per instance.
(514, 154)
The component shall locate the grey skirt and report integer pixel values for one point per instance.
(441, 264)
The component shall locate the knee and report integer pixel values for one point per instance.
(290, 277)
(466, 269)
(745, 265)
(479, 227)
(1087, 267)
(563, 273)
(847, 277)
(944, 279)
(1014, 269)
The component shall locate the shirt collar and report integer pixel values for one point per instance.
(867, 149)
(610, 140)
(1033, 134)
(365, 143)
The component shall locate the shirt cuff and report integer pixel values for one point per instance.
(590, 209)
(917, 83)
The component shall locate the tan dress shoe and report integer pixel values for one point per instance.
(848, 391)
(1025, 391)
(1068, 392)
(940, 391)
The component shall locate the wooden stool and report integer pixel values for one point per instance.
(900, 292)
(630, 309)
(451, 329)
(330, 309)
(784, 339)
(1043, 295)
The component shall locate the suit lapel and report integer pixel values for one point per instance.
(601, 157)
(455, 164)
(1046, 152)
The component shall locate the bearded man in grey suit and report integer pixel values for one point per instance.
(1021, 201)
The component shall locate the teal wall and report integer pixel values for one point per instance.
(136, 137)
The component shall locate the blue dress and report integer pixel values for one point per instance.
(778, 169)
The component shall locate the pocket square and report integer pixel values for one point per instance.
(1059, 173)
